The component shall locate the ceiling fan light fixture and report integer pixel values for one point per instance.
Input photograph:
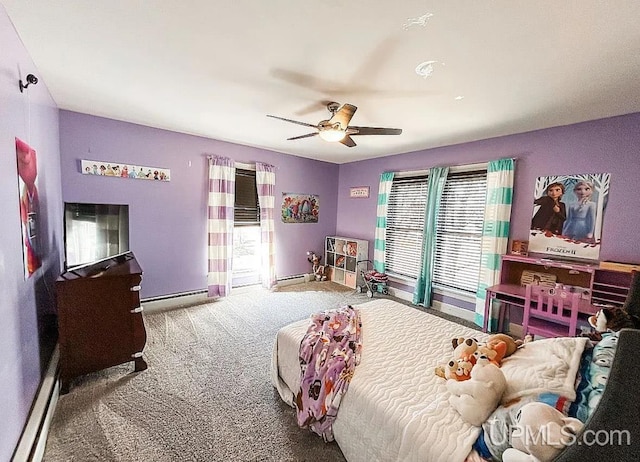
(332, 135)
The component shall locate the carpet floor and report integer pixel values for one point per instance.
(207, 394)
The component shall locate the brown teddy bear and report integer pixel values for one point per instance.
(467, 350)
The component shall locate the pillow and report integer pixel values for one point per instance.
(544, 366)
(495, 436)
(594, 374)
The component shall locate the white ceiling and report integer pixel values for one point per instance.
(215, 68)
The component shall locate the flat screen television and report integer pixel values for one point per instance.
(94, 232)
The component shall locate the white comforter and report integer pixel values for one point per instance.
(396, 408)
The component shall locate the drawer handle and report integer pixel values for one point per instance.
(135, 288)
(138, 309)
(137, 355)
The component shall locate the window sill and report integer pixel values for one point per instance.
(393, 277)
(454, 293)
(437, 288)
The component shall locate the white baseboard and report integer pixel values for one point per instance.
(34, 437)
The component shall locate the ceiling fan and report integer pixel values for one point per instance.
(337, 128)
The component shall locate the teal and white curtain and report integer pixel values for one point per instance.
(380, 241)
(266, 184)
(220, 211)
(423, 292)
(495, 233)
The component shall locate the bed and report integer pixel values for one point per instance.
(396, 408)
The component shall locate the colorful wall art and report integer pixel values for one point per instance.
(123, 170)
(29, 206)
(567, 215)
(300, 208)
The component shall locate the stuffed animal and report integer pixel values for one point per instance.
(540, 433)
(610, 319)
(317, 269)
(464, 348)
(496, 348)
(475, 399)
(613, 318)
(459, 370)
(495, 351)
(512, 345)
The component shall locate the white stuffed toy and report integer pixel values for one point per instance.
(475, 399)
(540, 433)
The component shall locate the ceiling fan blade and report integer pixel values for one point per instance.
(348, 141)
(308, 135)
(343, 115)
(292, 121)
(375, 131)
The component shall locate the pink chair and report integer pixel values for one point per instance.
(549, 315)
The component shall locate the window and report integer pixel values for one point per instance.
(246, 232)
(458, 233)
(405, 225)
(246, 210)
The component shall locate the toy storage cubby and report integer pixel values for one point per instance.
(342, 255)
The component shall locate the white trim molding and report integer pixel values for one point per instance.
(32, 443)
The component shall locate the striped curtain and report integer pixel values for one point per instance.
(266, 184)
(424, 284)
(380, 241)
(222, 185)
(495, 233)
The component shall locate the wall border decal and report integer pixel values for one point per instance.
(124, 170)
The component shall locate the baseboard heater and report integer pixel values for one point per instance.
(33, 440)
(172, 296)
(182, 299)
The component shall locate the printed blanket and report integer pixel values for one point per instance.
(329, 353)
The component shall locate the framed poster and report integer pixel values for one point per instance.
(29, 206)
(567, 215)
(359, 192)
(300, 208)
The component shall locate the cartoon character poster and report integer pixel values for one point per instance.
(568, 213)
(300, 208)
(29, 205)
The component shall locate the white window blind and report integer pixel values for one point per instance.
(405, 225)
(459, 231)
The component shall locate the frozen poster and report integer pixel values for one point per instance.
(567, 215)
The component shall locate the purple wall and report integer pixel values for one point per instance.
(609, 145)
(168, 219)
(25, 305)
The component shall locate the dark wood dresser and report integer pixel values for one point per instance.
(100, 320)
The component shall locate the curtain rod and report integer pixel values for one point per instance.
(455, 168)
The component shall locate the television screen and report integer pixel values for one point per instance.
(94, 232)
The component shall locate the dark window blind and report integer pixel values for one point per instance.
(246, 210)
